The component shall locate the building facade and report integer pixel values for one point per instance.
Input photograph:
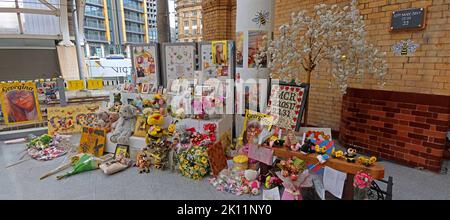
(151, 14)
(111, 26)
(189, 13)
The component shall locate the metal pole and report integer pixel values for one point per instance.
(77, 41)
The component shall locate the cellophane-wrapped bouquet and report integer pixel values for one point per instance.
(193, 163)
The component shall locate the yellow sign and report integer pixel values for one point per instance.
(19, 102)
(95, 84)
(70, 119)
(73, 85)
(93, 141)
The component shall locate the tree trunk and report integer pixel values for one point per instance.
(162, 21)
(308, 81)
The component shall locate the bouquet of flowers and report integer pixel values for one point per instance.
(85, 163)
(361, 184)
(193, 163)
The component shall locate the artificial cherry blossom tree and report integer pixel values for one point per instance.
(333, 34)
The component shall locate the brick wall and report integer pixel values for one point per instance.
(409, 128)
(426, 71)
(219, 19)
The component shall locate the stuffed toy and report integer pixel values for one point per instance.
(125, 125)
(351, 155)
(117, 103)
(155, 132)
(250, 183)
(113, 118)
(142, 162)
(120, 162)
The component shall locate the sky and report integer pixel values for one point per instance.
(172, 13)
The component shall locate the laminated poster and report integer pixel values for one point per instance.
(70, 119)
(19, 102)
(180, 61)
(145, 63)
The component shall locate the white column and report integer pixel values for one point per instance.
(88, 50)
(246, 12)
(64, 25)
(103, 50)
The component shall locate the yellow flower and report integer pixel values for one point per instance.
(196, 167)
(195, 176)
(185, 162)
(204, 160)
(203, 171)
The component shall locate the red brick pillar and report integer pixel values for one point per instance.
(219, 19)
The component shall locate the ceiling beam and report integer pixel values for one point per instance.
(29, 11)
(50, 6)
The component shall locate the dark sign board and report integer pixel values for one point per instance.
(408, 19)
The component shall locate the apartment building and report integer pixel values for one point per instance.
(189, 13)
(112, 25)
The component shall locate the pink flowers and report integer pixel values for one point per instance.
(362, 180)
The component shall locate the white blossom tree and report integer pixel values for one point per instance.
(333, 34)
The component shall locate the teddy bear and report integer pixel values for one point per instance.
(125, 125)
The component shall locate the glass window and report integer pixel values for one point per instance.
(9, 23)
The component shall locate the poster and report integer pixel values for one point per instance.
(220, 52)
(19, 102)
(92, 141)
(211, 69)
(145, 63)
(48, 91)
(240, 49)
(70, 119)
(255, 43)
(75, 85)
(254, 124)
(180, 60)
(94, 84)
(287, 103)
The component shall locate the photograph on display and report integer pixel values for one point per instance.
(255, 43)
(145, 61)
(240, 49)
(220, 52)
(180, 61)
(19, 102)
(145, 88)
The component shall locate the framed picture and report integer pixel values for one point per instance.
(287, 103)
(122, 149)
(145, 88)
(92, 141)
(160, 89)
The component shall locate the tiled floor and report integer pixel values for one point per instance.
(22, 182)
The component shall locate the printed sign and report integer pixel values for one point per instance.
(20, 103)
(74, 85)
(287, 103)
(407, 19)
(95, 84)
(145, 63)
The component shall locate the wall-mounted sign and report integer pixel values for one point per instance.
(408, 19)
